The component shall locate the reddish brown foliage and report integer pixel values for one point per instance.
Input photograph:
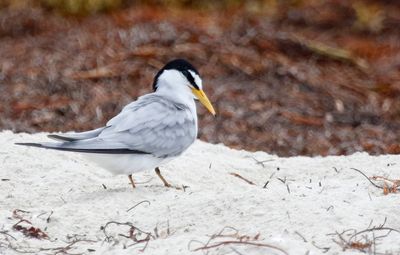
(316, 78)
(30, 231)
(25, 226)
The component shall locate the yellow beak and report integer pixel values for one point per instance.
(204, 100)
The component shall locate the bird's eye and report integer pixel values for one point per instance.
(186, 74)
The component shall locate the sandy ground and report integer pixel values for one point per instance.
(297, 205)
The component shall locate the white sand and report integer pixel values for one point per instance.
(321, 201)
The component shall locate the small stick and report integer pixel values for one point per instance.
(325, 249)
(282, 180)
(123, 224)
(17, 216)
(63, 250)
(394, 182)
(144, 201)
(240, 242)
(7, 234)
(48, 218)
(355, 169)
(302, 237)
(375, 229)
(241, 177)
(386, 188)
(353, 242)
(261, 162)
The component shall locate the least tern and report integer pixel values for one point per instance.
(148, 132)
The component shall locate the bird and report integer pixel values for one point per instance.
(147, 133)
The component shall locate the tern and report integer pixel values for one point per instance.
(148, 132)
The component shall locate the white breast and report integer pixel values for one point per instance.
(126, 164)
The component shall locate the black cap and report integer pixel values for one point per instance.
(180, 65)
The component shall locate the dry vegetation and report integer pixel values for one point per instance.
(287, 77)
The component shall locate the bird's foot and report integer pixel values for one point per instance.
(166, 184)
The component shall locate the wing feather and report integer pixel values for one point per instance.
(155, 125)
(152, 125)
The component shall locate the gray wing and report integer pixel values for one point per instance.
(155, 125)
(151, 125)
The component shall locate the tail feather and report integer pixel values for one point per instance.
(70, 137)
(60, 147)
(32, 145)
(61, 138)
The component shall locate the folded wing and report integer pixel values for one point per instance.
(150, 125)
(155, 125)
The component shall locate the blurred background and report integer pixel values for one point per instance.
(290, 77)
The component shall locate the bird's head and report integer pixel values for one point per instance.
(179, 76)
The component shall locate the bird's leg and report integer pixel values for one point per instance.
(166, 184)
(132, 182)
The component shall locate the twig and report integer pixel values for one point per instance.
(30, 231)
(386, 188)
(237, 240)
(144, 201)
(363, 243)
(241, 177)
(302, 237)
(48, 218)
(64, 249)
(395, 182)
(325, 249)
(261, 162)
(134, 233)
(330, 207)
(375, 229)
(376, 185)
(131, 230)
(15, 214)
(347, 244)
(282, 180)
(57, 250)
(392, 188)
(7, 234)
(241, 242)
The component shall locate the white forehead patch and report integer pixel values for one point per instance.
(197, 79)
